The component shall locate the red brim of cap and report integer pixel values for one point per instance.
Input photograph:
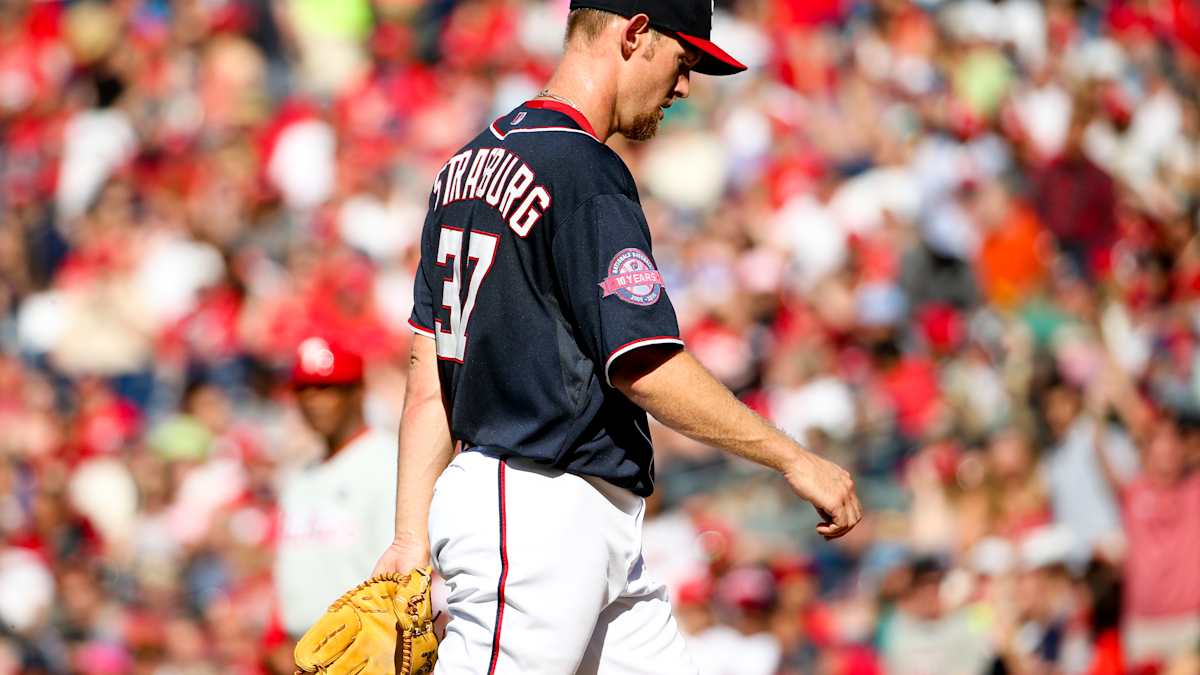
(713, 59)
(341, 373)
(306, 380)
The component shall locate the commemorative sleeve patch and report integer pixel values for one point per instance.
(633, 278)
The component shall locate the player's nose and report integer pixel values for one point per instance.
(683, 85)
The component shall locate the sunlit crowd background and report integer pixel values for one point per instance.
(951, 244)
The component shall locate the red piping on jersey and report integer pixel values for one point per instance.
(503, 573)
(527, 130)
(636, 344)
(565, 109)
(645, 339)
(418, 327)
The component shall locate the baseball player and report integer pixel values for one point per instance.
(544, 334)
(336, 513)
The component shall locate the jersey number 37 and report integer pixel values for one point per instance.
(481, 248)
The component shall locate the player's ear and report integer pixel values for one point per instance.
(635, 34)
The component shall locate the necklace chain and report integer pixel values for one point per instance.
(546, 93)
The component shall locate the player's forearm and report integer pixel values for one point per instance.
(425, 450)
(425, 445)
(681, 394)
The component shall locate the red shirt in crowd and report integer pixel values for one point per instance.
(1162, 523)
(1077, 201)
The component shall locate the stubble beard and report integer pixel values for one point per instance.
(644, 126)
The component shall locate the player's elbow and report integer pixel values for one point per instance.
(423, 387)
(419, 395)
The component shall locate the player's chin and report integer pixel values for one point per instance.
(644, 127)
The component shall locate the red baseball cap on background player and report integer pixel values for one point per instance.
(328, 381)
(321, 362)
(689, 21)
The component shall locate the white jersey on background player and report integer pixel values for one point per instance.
(335, 515)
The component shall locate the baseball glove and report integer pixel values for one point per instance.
(383, 626)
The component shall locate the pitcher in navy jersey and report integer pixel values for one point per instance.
(545, 334)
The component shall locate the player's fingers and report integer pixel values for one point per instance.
(836, 525)
(834, 519)
(854, 508)
(830, 531)
(848, 499)
(852, 511)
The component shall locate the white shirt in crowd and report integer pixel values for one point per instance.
(1081, 498)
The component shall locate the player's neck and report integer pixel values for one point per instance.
(345, 436)
(578, 80)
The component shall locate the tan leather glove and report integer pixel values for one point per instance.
(382, 626)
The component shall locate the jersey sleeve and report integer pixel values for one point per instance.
(611, 285)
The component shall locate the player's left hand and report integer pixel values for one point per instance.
(402, 556)
(830, 489)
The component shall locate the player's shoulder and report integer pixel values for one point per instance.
(592, 156)
(591, 167)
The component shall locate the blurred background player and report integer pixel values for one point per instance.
(335, 512)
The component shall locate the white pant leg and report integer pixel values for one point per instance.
(565, 545)
(637, 636)
(637, 633)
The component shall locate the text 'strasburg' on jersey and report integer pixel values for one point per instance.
(500, 179)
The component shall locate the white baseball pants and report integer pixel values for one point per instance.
(544, 575)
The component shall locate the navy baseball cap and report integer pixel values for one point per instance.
(689, 21)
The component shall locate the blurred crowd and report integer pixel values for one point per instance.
(949, 243)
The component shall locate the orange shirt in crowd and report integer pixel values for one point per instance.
(1011, 259)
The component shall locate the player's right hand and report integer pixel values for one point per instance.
(402, 558)
(830, 489)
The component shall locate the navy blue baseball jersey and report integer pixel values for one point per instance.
(537, 274)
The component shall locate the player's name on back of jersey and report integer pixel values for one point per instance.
(500, 179)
